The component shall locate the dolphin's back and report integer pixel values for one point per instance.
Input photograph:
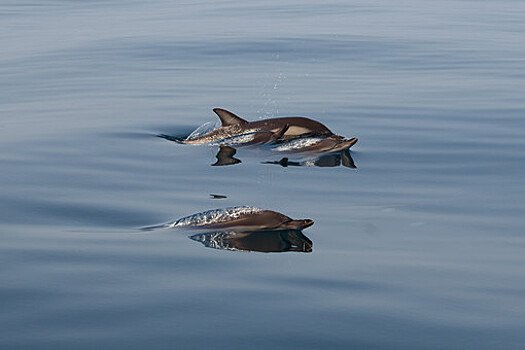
(211, 218)
(262, 130)
(237, 218)
(296, 126)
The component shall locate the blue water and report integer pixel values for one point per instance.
(421, 247)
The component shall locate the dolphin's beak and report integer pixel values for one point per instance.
(349, 143)
(345, 144)
(354, 140)
(306, 223)
(297, 224)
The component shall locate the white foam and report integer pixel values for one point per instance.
(213, 216)
(204, 129)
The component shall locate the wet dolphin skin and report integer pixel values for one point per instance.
(266, 130)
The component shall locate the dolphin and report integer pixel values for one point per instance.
(316, 145)
(238, 218)
(266, 130)
(256, 241)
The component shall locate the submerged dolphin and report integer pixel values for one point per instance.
(316, 145)
(238, 218)
(263, 131)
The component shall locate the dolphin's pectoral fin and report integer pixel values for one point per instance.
(279, 134)
(225, 156)
(347, 160)
(228, 118)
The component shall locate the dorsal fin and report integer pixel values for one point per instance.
(228, 118)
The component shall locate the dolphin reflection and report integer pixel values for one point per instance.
(225, 156)
(257, 241)
(245, 228)
(328, 160)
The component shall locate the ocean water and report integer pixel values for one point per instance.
(422, 246)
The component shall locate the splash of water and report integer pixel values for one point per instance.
(204, 129)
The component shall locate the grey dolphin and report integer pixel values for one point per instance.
(265, 130)
(316, 145)
(256, 241)
(238, 218)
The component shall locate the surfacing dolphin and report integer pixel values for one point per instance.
(239, 219)
(267, 130)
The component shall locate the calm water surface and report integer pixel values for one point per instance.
(420, 247)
